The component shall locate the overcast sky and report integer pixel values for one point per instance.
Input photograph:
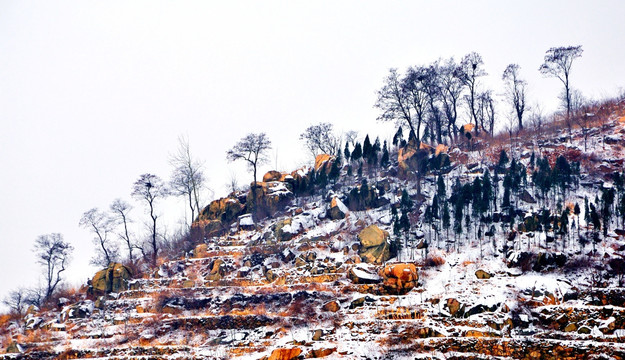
(93, 94)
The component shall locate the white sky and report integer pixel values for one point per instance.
(93, 94)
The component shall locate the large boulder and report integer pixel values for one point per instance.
(212, 228)
(112, 279)
(280, 233)
(399, 279)
(409, 156)
(267, 198)
(324, 162)
(285, 354)
(225, 210)
(272, 175)
(363, 274)
(374, 247)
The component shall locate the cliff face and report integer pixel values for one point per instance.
(286, 272)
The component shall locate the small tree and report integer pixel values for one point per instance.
(187, 179)
(53, 253)
(357, 153)
(252, 149)
(320, 139)
(385, 159)
(101, 225)
(346, 152)
(120, 209)
(16, 301)
(150, 188)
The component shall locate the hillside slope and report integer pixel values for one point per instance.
(292, 270)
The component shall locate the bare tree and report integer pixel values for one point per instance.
(320, 139)
(451, 87)
(472, 69)
(584, 121)
(432, 87)
(120, 209)
(233, 183)
(537, 117)
(252, 149)
(150, 188)
(101, 225)
(16, 301)
(188, 176)
(394, 102)
(486, 112)
(350, 137)
(53, 253)
(558, 62)
(515, 91)
(415, 85)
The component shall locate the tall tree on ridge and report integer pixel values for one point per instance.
(515, 91)
(558, 62)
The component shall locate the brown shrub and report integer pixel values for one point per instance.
(433, 261)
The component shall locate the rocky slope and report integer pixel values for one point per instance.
(281, 274)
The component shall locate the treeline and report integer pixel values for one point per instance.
(428, 99)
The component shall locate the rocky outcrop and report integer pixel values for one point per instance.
(285, 354)
(279, 233)
(273, 175)
(324, 162)
(112, 279)
(399, 279)
(409, 156)
(225, 210)
(374, 247)
(267, 198)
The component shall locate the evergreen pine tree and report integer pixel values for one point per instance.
(399, 137)
(367, 148)
(357, 153)
(446, 218)
(385, 160)
(346, 152)
(440, 188)
(406, 202)
(359, 170)
(487, 191)
(503, 159)
(576, 211)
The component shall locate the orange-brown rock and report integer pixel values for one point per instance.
(324, 161)
(399, 278)
(200, 251)
(332, 306)
(225, 209)
(455, 307)
(319, 353)
(409, 155)
(481, 274)
(441, 149)
(285, 354)
(272, 175)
